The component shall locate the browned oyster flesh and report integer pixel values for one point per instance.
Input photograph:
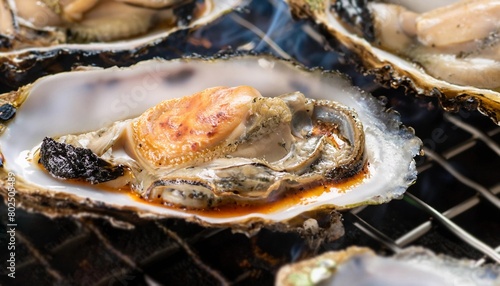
(220, 146)
(448, 49)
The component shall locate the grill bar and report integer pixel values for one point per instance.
(376, 234)
(426, 226)
(456, 150)
(457, 230)
(483, 260)
(40, 257)
(121, 272)
(422, 229)
(202, 265)
(464, 180)
(475, 132)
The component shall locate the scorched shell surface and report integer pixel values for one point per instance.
(83, 101)
(446, 49)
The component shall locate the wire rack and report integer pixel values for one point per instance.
(453, 208)
(445, 218)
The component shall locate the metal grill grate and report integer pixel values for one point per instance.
(481, 195)
(453, 208)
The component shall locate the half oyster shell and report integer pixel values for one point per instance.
(412, 266)
(82, 101)
(34, 33)
(35, 24)
(449, 51)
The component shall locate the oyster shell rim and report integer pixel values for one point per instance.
(379, 63)
(389, 118)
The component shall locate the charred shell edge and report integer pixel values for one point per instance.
(56, 204)
(451, 97)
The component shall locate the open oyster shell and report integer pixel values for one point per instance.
(82, 101)
(416, 45)
(36, 24)
(361, 266)
(112, 33)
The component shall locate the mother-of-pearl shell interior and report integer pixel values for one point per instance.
(81, 101)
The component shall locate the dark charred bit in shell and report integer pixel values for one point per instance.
(69, 162)
(356, 13)
(7, 112)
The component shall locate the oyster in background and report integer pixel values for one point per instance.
(447, 49)
(46, 23)
(359, 266)
(34, 34)
(79, 102)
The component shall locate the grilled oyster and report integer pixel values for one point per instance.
(83, 21)
(358, 173)
(447, 49)
(36, 33)
(221, 146)
(412, 266)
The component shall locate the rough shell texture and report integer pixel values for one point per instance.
(393, 70)
(53, 106)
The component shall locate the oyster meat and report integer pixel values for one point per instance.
(34, 34)
(284, 141)
(220, 146)
(412, 266)
(31, 23)
(448, 49)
